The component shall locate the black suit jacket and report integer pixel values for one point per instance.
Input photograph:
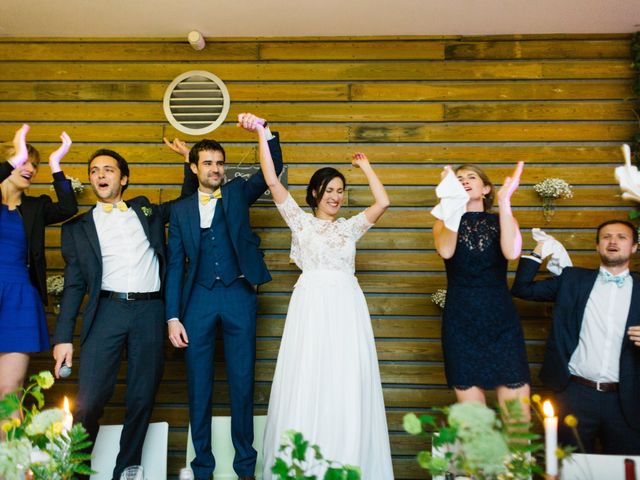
(37, 213)
(83, 260)
(570, 291)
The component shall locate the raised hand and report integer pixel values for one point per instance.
(510, 184)
(21, 154)
(359, 159)
(177, 146)
(445, 171)
(250, 122)
(58, 155)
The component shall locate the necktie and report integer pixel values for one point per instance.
(617, 279)
(206, 197)
(108, 207)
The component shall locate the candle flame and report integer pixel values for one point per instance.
(547, 408)
(66, 405)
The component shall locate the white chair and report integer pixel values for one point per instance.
(222, 446)
(154, 451)
(588, 466)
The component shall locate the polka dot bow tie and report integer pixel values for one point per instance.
(108, 207)
(206, 197)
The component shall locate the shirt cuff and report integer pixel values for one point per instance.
(531, 257)
(270, 136)
(174, 319)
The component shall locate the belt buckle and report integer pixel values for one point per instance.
(130, 296)
(598, 387)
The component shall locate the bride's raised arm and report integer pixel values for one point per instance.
(380, 197)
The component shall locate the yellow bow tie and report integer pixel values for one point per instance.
(108, 207)
(206, 197)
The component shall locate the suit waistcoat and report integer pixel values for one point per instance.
(217, 258)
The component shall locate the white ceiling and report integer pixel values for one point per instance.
(267, 18)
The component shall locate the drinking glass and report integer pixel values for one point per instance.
(135, 472)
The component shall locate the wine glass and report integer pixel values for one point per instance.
(135, 472)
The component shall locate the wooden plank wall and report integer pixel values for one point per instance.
(412, 104)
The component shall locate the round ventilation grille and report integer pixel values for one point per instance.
(196, 102)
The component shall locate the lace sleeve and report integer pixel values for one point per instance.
(357, 226)
(296, 219)
(292, 214)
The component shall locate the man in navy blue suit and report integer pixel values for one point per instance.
(592, 357)
(213, 269)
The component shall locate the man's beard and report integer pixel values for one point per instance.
(613, 262)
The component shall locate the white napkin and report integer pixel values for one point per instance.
(453, 201)
(559, 256)
(628, 177)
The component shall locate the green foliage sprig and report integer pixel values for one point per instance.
(299, 460)
(474, 440)
(36, 439)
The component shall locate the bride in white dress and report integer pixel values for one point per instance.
(327, 383)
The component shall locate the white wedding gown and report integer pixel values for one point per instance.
(327, 383)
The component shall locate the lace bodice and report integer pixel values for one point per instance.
(478, 260)
(321, 244)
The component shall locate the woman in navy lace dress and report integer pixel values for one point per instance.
(481, 334)
(23, 327)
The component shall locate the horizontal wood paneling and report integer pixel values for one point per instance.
(412, 104)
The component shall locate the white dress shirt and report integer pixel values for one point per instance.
(129, 264)
(207, 210)
(597, 356)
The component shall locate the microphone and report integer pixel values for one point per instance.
(65, 370)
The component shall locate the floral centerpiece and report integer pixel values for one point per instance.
(299, 460)
(40, 444)
(474, 441)
(549, 190)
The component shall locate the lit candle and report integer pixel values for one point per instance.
(550, 439)
(67, 423)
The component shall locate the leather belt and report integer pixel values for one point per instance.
(130, 295)
(599, 386)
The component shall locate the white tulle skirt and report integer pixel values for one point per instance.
(327, 382)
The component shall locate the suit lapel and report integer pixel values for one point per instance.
(89, 227)
(633, 319)
(586, 285)
(144, 221)
(193, 220)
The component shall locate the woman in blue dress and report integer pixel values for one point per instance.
(482, 337)
(23, 294)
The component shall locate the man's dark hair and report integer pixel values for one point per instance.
(318, 183)
(122, 163)
(205, 146)
(631, 226)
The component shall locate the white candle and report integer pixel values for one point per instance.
(67, 423)
(550, 439)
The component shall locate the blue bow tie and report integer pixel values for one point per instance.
(617, 279)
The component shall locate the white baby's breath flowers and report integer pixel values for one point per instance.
(553, 188)
(55, 285)
(439, 297)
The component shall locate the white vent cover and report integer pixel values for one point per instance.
(196, 102)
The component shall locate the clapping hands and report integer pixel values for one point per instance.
(59, 153)
(510, 184)
(21, 154)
